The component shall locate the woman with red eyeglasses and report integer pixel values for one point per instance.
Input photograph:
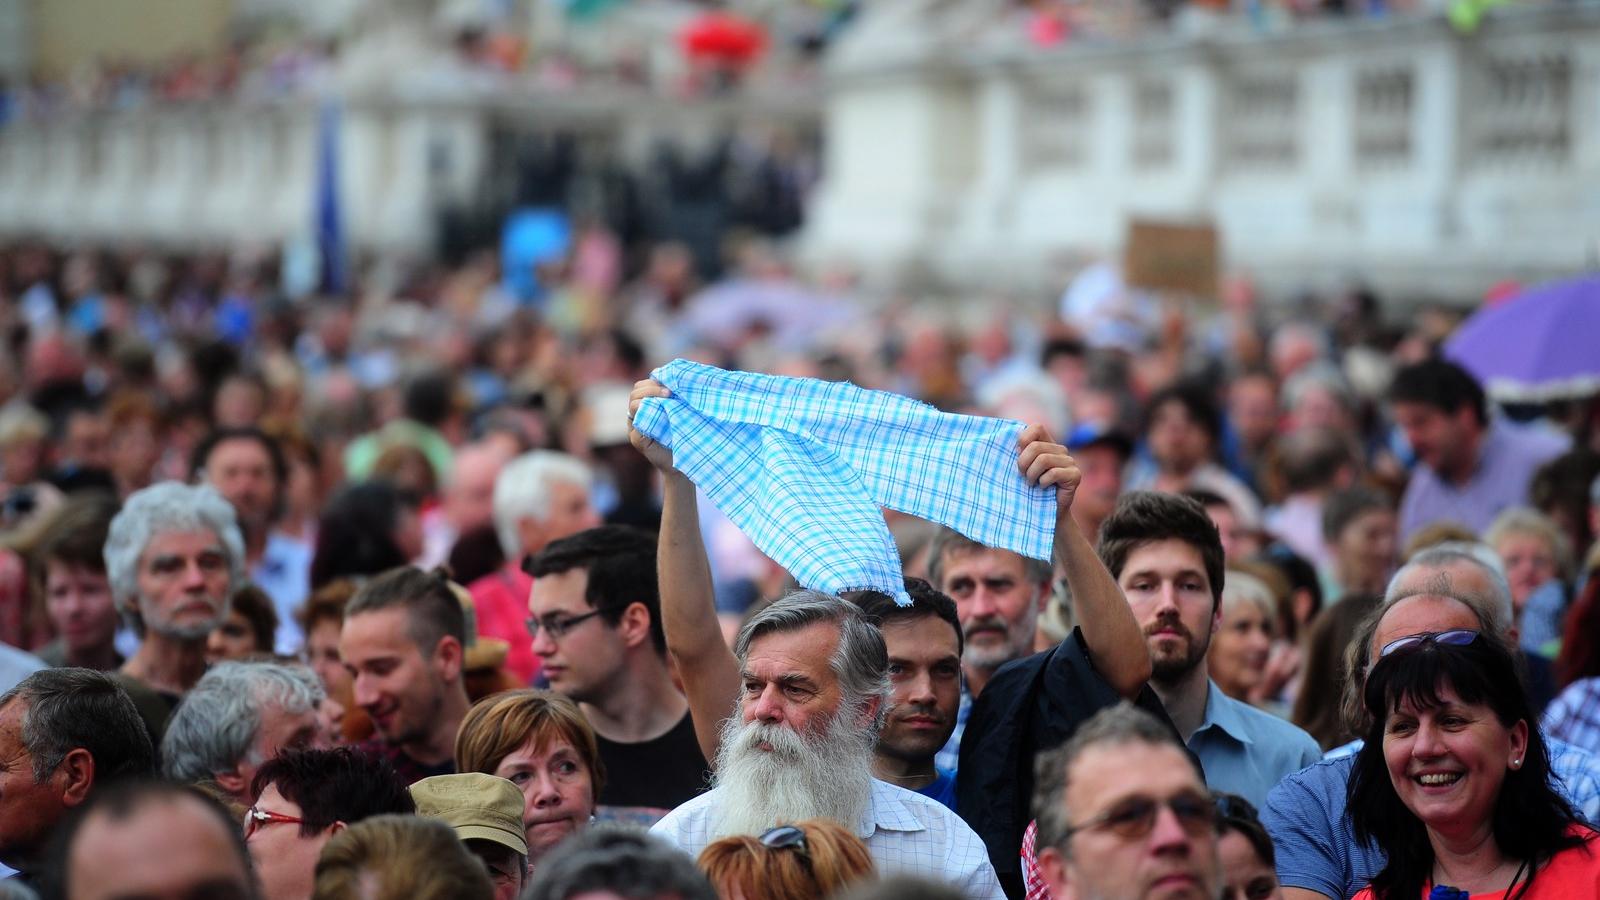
(1453, 783)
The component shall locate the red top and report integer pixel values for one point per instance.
(1571, 873)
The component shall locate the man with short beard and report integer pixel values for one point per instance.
(1167, 557)
(799, 746)
(174, 556)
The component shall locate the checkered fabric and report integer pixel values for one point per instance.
(1574, 716)
(803, 466)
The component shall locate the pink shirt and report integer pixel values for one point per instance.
(501, 602)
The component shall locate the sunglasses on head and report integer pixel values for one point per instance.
(785, 837)
(1456, 637)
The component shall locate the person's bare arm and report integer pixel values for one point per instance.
(709, 670)
(1116, 643)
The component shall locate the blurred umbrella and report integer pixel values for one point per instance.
(790, 314)
(1539, 345)
(723, 37)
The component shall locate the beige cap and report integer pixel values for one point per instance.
(475, 805)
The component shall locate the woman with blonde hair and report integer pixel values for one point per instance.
(540, 742)
(815, 858)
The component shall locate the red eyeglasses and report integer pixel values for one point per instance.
(255, 819)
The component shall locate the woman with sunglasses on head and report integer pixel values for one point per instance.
(816, 858)
(1453, 783)
(540, 742)
(1245, 850)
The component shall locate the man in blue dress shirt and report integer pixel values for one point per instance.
(1167, 557)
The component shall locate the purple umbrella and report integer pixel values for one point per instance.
(1543, 344)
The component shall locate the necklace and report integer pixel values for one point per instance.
(1446, 892)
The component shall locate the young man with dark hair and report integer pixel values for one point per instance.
(305, 797)
(248, 468)
(924, 644)
(1167, 557)
(596, 622)
(1469, 466)
(64, 735)
(402, 642)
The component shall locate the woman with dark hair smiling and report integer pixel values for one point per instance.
(1454, 780)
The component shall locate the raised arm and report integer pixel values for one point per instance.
(1116, 643)
(708, 668)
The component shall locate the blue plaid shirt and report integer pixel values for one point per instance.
(1574, 716)
(805, 467)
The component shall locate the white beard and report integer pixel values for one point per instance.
(803, 776)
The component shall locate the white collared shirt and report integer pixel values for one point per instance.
(906, 833)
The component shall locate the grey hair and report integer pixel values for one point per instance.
(1242, 587)
(161, 508)
(66, 709)
(1117, 725)
(522, 491)
(861, 660)
(214, 727)
(1526, 521)
(1319, 374)
(621, 861)
(1492, 610)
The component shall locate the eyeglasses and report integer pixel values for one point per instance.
(555, 626)
(1456, 637)
(255, 819)
(1135, 817)
(785, 837)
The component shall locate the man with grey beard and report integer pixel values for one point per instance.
(799, 745)
(174, 554)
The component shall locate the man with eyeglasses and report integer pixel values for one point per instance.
(596, 625)
(402, 642)
(1124, 813)
(1452, 593)
(302, 799)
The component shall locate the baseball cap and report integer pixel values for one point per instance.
(1089, 434)
(475, 805)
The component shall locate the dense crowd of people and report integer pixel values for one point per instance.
(441, 590)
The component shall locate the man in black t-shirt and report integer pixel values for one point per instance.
(596, 617)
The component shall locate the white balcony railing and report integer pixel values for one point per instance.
(1426, 161)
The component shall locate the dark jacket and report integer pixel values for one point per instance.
(1030, 705)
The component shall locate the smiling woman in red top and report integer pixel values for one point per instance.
(1454, 780)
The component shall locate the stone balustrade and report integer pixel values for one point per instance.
(1423, 161)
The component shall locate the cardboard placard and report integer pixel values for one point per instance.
(1180, 259)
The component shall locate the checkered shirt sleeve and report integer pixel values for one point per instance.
(803, 467)
(1574, 716)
